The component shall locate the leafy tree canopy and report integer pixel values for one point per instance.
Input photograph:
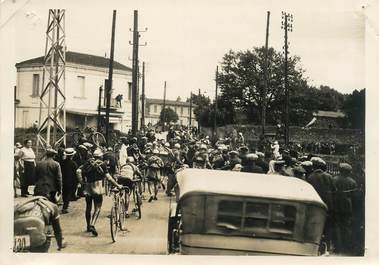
(168, 115)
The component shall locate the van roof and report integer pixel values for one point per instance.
(246, 184)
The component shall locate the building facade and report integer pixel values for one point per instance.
(182, 109)
(328, 119)
(84, 75)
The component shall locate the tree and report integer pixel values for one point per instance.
(241, 82)
(204, 111)
(168, 115)
(354, 109)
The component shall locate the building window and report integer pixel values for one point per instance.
(81, 86)
(155, 108)
(35, 92)
(181, 110)
(25, 118)
(129, 91)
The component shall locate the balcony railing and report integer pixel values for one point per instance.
(114, 104)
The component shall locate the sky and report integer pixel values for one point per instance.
(186, 40)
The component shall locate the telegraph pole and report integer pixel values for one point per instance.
(135, 94)
(287, 26)
(143, 96)
(190, 111)
(198, 123)
(164, 107)
(215, 115)
(135, 75)
(265, 87)
(108, 88)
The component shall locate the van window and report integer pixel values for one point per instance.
(250, 216)
(230, 212)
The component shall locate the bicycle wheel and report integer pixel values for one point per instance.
(137, 203)
(114, 223)
(98, 139)
(123, 210)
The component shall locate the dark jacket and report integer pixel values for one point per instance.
(48, 177)
(112, 161)
(262, 164)
(322, 183)
(69, 168)
(345, 188)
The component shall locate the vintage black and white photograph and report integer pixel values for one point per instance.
(187, 127)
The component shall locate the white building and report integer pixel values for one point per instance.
(154, 107)
(84, 75)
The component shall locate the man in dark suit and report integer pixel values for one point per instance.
(48, 177)
(69, 179)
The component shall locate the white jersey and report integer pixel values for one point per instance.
(123, 155)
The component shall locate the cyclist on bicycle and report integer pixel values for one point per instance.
(174, 162)
(32, 219)
(154, 164)
(128, 173)
(91, 175)
(133, 149)
(201, 158)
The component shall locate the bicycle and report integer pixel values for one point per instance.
(89, 133)
(118, 211)
(137, 198)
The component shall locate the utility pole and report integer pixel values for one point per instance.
(287, 26)
(198, 123)
(143, 96)
(265, 87)
(99, 109)
(190, 111)
(164, 107)
(108, 88)
(215, 116)
(135, 94)
(52, 96)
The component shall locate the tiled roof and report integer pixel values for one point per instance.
(329, 114)
(79, 58)
(168, 102)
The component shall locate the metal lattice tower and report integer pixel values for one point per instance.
(52, 114)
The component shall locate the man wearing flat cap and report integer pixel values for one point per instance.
(322, 183)
(250, 165)
(345, 188)
(48, 177)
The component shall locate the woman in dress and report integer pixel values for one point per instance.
(28, 159)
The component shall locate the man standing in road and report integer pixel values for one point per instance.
(322, 183)
(70, 182)
(48, 177)
(343, 201)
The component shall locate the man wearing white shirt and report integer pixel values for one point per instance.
(123, 155)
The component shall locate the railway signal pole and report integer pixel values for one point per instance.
(99, 117)
(52, 110)
(287, 20)
(135, 92)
